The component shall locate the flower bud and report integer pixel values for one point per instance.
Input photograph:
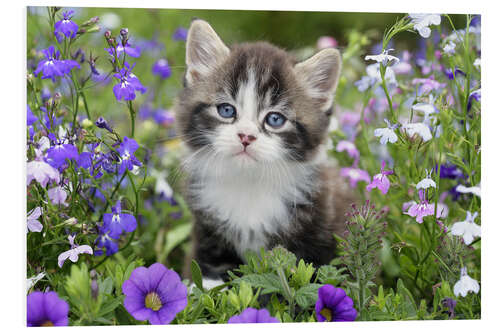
(107, 34)
(86, 123)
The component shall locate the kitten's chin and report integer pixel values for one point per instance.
(244, 159)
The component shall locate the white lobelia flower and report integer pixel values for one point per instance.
(421, 23)
(467, 229)
(477, 63)
(30, 282)
(449, 48)
(33, 224)
(384, 58)
(73, 253)
(418, 128)
(162, 187)
(476, 190)
(465, 284)
(386, 134)
(426, 182)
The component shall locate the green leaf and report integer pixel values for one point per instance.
(307, 295)
(196, 274)
(328, 274)
(269, 282)
(175, 236)
(110, 305)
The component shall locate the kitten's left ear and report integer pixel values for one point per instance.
(320, 75)
(204, 51)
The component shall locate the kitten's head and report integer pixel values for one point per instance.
(252, 105)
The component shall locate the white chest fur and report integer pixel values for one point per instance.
(254, 203)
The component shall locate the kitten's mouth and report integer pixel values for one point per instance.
(245, 154)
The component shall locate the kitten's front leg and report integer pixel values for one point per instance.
(213, 253)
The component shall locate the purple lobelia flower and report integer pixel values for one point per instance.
(105, 242)
(475, 95)
(127, 158)
(427, 85)
(419, 210)
(334, 305)
(163, 117)
(116, 222)
(52, 66)
(58, 155)
(355, 175)
(65, 27)
(380, 180)
(73, 253)
(348, 147)
(129, 83)
(134, 52)
(46, 309)
(102, 123)
(162, 69)
(450, 303)
(30, 118)
(42, 172)
(180, 34)
(251, 315)
(33, 224)
(450, 171)
(155, 294)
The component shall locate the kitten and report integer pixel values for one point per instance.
(255, 124)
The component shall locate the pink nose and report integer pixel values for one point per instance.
(246, 139)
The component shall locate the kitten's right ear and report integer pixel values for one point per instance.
(204, 51)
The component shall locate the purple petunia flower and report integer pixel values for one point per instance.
(419, 210)
(127, 158)
(355, 175)
(46, 309)
(348, 147)
(162, 69)
(58, 154)
(129, 83)
(334, 305)
(155, 294)
(380, 180)
(116, 222)
(251, 315)
(180, 34)
(65, 27)
(104, 241)
(52, 66)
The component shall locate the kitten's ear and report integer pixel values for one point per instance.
(204, 51)
(320, 75)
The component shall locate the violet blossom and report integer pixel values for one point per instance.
(380, 180)
(252, 316)
(74, 252)
(46, 309)
(355, 175)
(422, 209)
(65, 27)
(52, 66)
(334, 305)
(117, 222)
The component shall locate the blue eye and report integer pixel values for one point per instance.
(275, 119)
(226, 110)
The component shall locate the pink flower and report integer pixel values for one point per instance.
(419, 210)
(349, 147)
(355, 175)
(380, 180)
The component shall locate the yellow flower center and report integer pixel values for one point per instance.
(153, 301)
(47, 323)
(327, 313)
